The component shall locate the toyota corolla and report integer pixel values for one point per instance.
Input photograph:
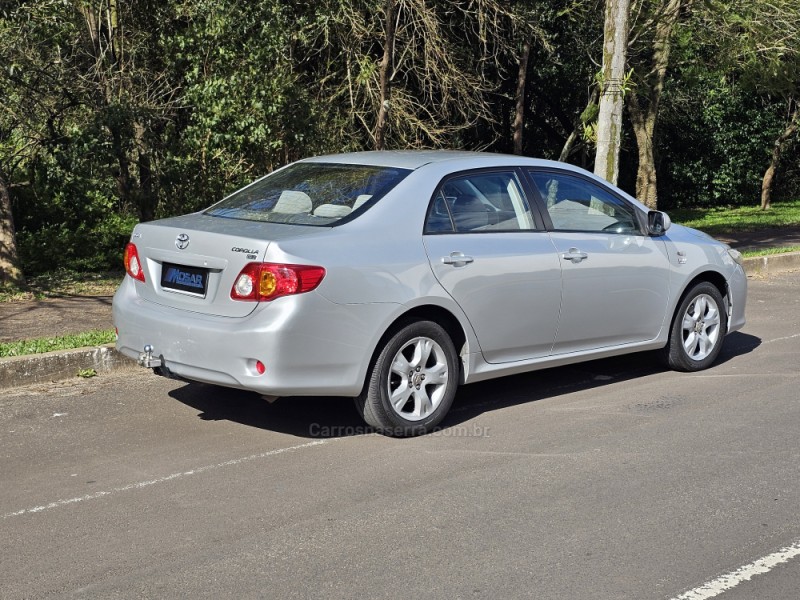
(395, 277)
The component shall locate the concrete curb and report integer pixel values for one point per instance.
(773, 263)
(17, 371)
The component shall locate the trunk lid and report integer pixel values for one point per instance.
(191, 262)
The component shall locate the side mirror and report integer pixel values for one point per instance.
(657, 222)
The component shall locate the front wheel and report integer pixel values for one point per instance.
(698, 329)
(412, 382)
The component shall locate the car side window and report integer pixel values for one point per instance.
(479, 202)
(575, 204)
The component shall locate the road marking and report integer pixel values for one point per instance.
(731, 579)
(143, 484)
(703, 375)
(780, 339)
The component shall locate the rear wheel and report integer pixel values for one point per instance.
(698, 329)
(412, 382)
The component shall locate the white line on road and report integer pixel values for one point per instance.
(780, 339)
(172, 477)
(731, 579)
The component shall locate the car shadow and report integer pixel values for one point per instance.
(472, 400)
(326, 417)
(737, 344)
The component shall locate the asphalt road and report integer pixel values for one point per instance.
(612, 479)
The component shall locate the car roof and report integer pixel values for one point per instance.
(414, 159)
(460, 160)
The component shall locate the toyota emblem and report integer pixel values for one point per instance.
(182, 241)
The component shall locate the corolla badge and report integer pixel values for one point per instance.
(182, 241)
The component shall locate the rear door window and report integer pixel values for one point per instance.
(479, 202)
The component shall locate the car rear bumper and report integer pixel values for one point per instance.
(309, 345)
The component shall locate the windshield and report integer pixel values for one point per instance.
(310, 194)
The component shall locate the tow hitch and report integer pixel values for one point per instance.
(146, 358)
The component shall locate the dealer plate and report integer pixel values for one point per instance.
(193, 280)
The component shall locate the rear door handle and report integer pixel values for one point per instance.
(574, 255)
(457, 259)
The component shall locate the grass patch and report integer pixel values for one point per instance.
(727, 219)
(62, 342)
(769, 251)
(63, 283)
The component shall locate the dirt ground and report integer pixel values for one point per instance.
(53, 316)
(765, 238)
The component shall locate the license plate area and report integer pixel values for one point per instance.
(188, 280)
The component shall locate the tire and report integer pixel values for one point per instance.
(698, 329)
(412, 381)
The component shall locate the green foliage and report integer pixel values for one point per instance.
(724, 219)
(249, 111)
(85, 247)
(718, 144)
(769, 251)
(64, 342)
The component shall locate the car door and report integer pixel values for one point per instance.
(487, 251)
(615, 278)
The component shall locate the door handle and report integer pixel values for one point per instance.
(574, 255)
(456, 259)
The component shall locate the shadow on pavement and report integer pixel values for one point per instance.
(737, 344)
(322, 417)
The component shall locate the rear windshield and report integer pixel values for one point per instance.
(310, 194)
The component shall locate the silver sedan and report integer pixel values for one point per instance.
(394, 277)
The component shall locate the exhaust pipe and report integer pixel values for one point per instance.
(157, 363)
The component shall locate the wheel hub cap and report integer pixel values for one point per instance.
(417, 379)
(701, 330)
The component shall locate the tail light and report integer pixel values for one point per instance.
(133, 266)
(259, 282)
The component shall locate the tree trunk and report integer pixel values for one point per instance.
(644, 119)
(777, 151)
(519, 115)
(576, 128)
(385, 76)
(568, 145)
(148, 199)
(10, 272)
(125, 183)
(609, 121)
(646, 178)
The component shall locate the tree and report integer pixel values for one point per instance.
(10, 271)
(384, 74)
(609, 120)
(778, 149)
(122, 79)
(22, 132)
(758, 44)
(417, 81)
(519, 108)
(246, 106)
(651, 60)
(525, 24)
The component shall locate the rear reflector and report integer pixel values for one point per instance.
(266, 281)
(133, 266)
